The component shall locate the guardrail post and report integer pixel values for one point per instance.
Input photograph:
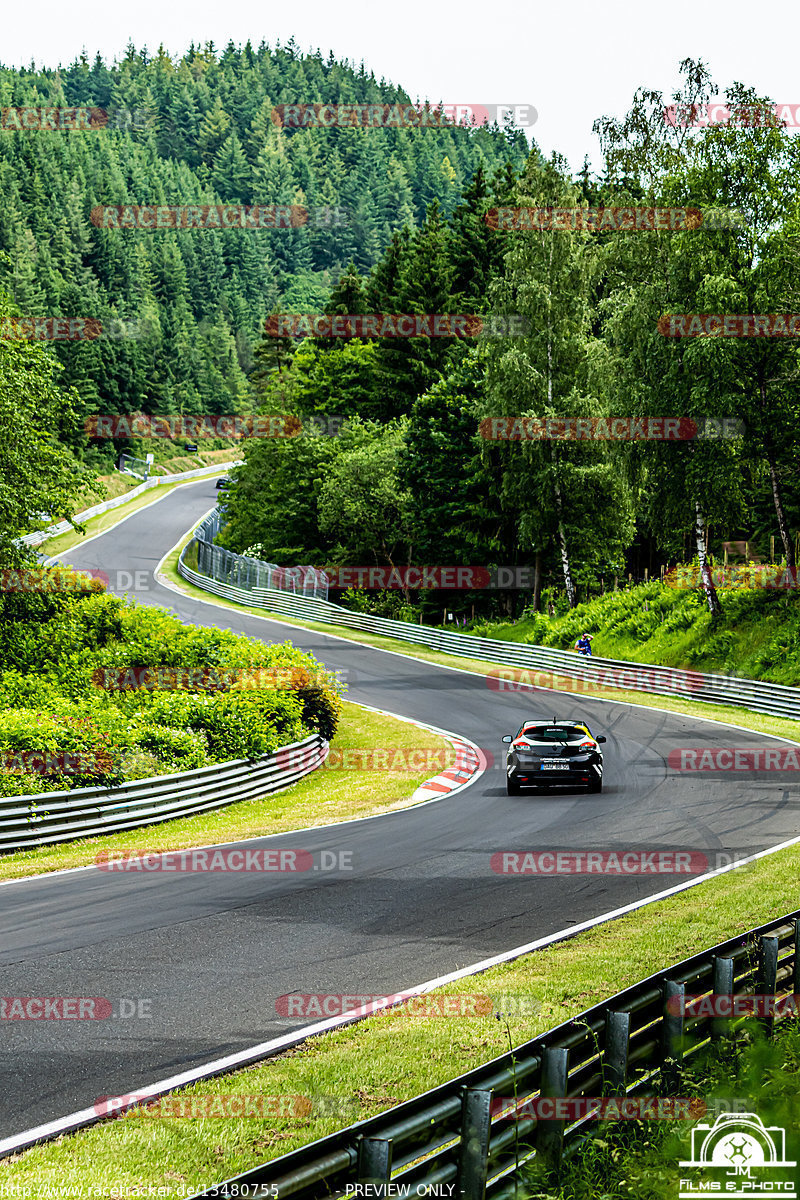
(549, 1138)
(673, 1030)
(615, 1055)
(722, 986)
(767, 978)
(473, 1156)
(796, 971)
(374, 1160)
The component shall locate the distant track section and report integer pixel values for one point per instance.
(534, 667)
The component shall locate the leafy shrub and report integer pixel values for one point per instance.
(141, 764)
(53, 704)
(62, 752)
(177, 749)
(249, 724)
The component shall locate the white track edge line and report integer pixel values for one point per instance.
(266, 1050)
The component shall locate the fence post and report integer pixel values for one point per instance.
(374, 1160)
(473, 1156)
(767, 977)
(549, 1139)
(615, 1056)
(673, 1030)
(722, 986)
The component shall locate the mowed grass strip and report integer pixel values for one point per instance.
(390, 1057)
(330, 794)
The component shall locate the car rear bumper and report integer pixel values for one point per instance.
(533, 778)
(535, 775)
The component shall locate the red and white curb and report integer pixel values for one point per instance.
(470, 762)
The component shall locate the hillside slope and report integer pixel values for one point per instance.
(758, 636)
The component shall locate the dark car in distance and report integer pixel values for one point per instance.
(544, 755)
(223, 483)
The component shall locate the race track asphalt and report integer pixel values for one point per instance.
(211, 952)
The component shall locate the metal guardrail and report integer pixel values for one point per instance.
(42, 535)
(50, 817)
(578, 673)
(459, 1133)
(251, 574)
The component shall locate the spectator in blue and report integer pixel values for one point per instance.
(584, 644)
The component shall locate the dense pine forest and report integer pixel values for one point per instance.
(405, 220)
(199, 130)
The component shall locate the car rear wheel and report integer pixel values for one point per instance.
(596, 783)
(512, 787)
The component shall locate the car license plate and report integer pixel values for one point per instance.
(554, 766)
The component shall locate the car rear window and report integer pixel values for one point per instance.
(552, 733)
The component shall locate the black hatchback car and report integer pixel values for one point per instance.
(563, 752)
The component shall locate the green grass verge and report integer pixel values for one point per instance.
(323, 798)
(393, 1056)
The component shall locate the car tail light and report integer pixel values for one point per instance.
(587, 746)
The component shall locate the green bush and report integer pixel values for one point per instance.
(249, 724)
(60, 752)
(177, 749)
(61, 646)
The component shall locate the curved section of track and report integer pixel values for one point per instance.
(212, 952)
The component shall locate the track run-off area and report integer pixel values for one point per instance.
(419, 895)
